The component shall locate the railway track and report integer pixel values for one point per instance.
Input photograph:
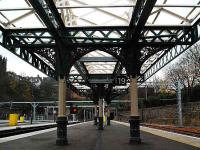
(20, 130)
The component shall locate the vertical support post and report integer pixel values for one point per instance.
(34, 105)
(74, 117)
(134, 118)
(100, 125)
(90, 114)
(62, 119)
(84, 114)
(116, 113)
(108, 116)
(54, 114)
(47, 113)
(86, 117)
(180, 116)
(34, 111)
(10, 106)
(95, 115)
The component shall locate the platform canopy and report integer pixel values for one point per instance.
(20, 14)
(102, 21)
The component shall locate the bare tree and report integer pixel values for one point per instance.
(155, 84)
(187, 70)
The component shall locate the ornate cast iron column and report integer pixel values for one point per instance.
(134, 118)
(100, 125)
(62, 119)
(95, 115)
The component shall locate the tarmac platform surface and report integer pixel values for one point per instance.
(85, 136)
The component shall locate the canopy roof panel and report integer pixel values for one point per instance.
(20, 14)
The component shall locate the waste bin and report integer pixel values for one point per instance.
(21, 119)
(13, 118)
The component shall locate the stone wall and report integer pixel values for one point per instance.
(168, 114)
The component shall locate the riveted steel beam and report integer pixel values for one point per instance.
(139, 18)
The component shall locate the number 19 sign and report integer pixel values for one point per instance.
(120, 80)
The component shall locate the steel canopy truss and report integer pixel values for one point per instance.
(156, 46)
(30, 57)
(167, 56)
(150, 35)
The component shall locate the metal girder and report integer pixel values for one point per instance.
(118, 69)
(139, 18)
(2, 33)
(32, 59)
(78, 91)
(37, 38)
(163, 60)
(47, 53)
(173, 52)
(98, 59)
(82, 70)
(92, 78)
(189, 34)
(48, 16)
(52, 19)
(153, 36)
(150, 35)
(55, 25)
(76, 78)
(96, 34)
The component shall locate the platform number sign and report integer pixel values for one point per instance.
(120, 80)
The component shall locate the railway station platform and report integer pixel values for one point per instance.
(85, 136)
